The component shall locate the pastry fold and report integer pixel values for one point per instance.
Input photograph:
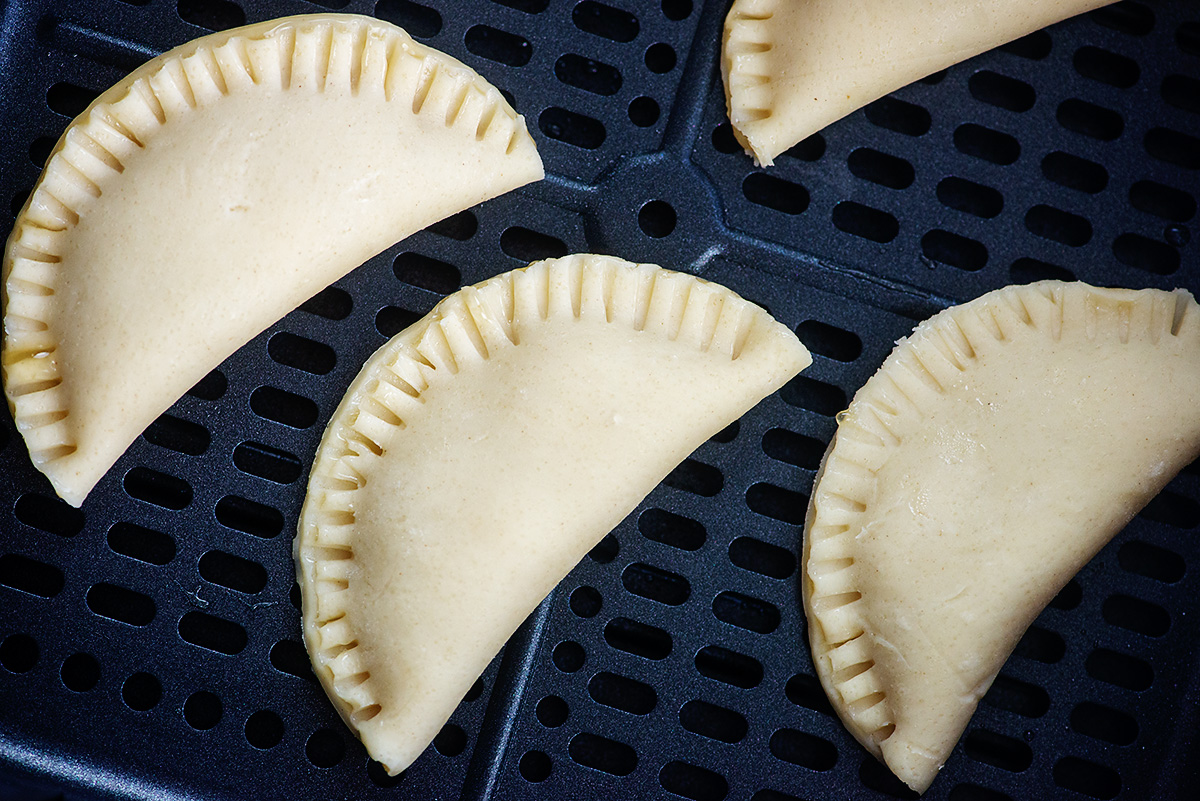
(791, 67)
(484, 450)
(212, 191)
(998, 448)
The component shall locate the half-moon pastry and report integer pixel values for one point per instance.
(791, 67)
(998, 448)
(484, 450)
(212, 191)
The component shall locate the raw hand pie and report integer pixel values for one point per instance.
(791, 67)
(484, 450)
(212, 191)
(995, 452)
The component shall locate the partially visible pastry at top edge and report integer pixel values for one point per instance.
(998, 448)
(212, 191)
(484, 450)
(791, 67)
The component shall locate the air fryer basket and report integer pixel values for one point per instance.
(150, 643)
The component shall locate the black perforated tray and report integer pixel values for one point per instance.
(150, 644)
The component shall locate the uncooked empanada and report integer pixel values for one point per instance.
(791, 67)
(995, 452)
(484, 450)
(212, 191)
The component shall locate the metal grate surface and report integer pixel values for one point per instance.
(150, 644)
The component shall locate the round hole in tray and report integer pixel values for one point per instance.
(451, 740)
(569, 656)
(552, 711)
(141, 692)
(657, 219)
(325, 748)
(723, 140)
(535, 766)
(18, 653)
(586, 601)
(264, 729)
(80, 672)
(202, 710)
(660, 57)
(644, 111)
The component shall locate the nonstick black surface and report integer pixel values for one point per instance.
(150, 643)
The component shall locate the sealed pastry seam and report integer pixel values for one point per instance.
(309, 55)
(618, 303)
(892, 407)
(746, 67)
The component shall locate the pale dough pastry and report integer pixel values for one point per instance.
(211, 192)
(791, 67)
(484, 450)
(998, 448)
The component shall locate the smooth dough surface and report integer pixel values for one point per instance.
(212, 191)
(997, 449)
(484, 450)
(791, 67)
